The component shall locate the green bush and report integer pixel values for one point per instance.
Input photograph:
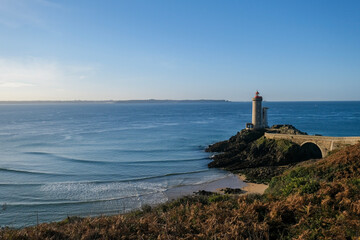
(310, 187)
(299, 180)
(218, 198)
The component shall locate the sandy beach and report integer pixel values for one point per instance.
(230, 181)
(253, 187)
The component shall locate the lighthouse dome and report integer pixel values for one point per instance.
(257, 94)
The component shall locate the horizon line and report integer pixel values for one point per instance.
(160, 100)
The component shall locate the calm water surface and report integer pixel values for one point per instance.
(90, 159)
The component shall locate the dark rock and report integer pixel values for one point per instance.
(204, 193)
(232, 190)
(237, 142)
(285, 129)
(259, 158)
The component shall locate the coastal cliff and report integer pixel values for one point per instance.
(258, 158)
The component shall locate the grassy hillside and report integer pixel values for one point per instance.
(314, 200)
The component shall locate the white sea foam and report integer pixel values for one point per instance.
(84, 191)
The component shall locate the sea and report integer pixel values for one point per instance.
(91, 159)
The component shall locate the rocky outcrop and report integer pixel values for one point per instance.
(250, 153)
(285, 129)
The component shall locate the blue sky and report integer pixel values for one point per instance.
(185, 49)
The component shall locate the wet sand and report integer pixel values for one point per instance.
(230, 181)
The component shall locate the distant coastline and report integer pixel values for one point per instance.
(116, 101)
(157, 101)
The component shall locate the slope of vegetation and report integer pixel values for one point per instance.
(314, 200)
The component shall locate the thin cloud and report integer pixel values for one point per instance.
(15, 84)
(26, 72)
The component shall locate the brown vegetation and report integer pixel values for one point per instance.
(316, 200)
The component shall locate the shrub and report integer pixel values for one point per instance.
(218, 198)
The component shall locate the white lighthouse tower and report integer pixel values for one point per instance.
(259, 114)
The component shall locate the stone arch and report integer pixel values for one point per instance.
(311, 150)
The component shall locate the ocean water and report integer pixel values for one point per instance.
(85, 159)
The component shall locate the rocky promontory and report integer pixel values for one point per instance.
(258, 158)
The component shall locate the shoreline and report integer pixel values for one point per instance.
(234, 181)
(230, 181)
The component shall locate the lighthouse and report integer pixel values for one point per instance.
(259, 114)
